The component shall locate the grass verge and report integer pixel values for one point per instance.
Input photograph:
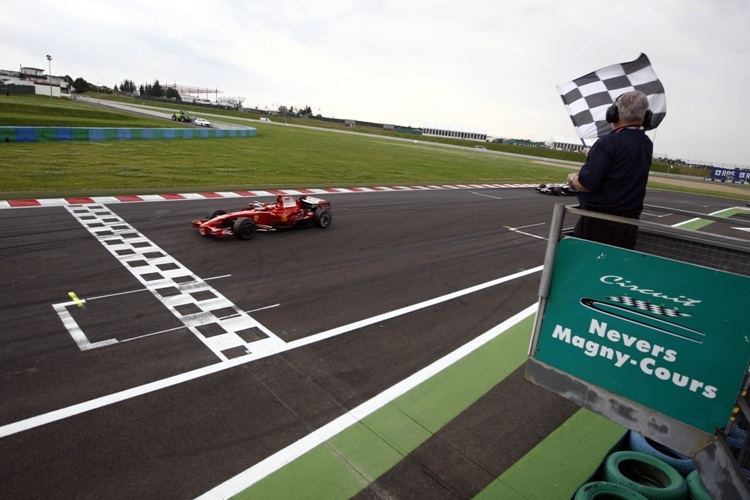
(289, 156)
(280, 156)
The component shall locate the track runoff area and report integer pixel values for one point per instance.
(504, 227)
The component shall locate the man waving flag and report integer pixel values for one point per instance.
(588, 97)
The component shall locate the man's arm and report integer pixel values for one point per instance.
(573, 181)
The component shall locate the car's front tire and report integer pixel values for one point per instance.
(243, 228)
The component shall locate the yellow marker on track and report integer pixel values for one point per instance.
(75, 298)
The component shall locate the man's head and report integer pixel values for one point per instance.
(631, 108)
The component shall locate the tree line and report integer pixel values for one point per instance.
(80, 85)
(155, 89)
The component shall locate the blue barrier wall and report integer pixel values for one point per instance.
(733, 175)
(38, 134)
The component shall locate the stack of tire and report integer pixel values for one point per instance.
(646, 470)
(738, 443)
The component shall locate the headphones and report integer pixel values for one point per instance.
(613, 115)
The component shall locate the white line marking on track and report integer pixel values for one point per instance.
(531, 225)
(75, 331)
(141, 290)
(657, 216)
(715, 214)
(189, 298)
(263, 352)
(486, 195)
(145, 335)
(515, 230)
(406, 310)
(262, 308)
(84, 344)
(281, 458)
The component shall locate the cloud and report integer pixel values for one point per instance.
(475, 64)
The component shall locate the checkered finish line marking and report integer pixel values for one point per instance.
(224, 328)
(109, 200)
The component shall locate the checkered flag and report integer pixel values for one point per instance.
(649, 307)
(588, 97)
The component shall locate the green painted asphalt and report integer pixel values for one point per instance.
(696, 224)
(561, 463)
(357, 456)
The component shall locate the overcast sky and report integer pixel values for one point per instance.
(479, 65)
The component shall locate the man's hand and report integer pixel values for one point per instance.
(573, 181)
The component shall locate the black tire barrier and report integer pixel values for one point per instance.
(678, 461)
(603, 489)
(646, 475)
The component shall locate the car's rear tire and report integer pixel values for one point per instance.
(557, 190)
(243, 228)
(215, 213)
(322, 218)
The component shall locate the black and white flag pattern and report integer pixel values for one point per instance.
(649, 307)
(588, 97)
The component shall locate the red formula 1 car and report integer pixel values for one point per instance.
(288, 212)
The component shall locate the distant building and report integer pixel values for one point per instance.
(566, 144)
(22, 82)
(437, 131)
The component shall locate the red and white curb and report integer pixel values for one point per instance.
(107, 200)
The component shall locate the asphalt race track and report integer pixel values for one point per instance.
(115, 386)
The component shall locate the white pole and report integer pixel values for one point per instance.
(49, 79)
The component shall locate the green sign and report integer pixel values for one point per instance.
(671, 336)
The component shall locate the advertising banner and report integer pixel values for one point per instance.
(671, 336)
(734, 175)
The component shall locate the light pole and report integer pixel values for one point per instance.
(49, 61)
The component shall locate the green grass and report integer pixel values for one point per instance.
(41, 111)
(279, 156)
(240, 117)
(655, 184)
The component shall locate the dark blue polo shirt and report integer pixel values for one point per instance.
(616, 172)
